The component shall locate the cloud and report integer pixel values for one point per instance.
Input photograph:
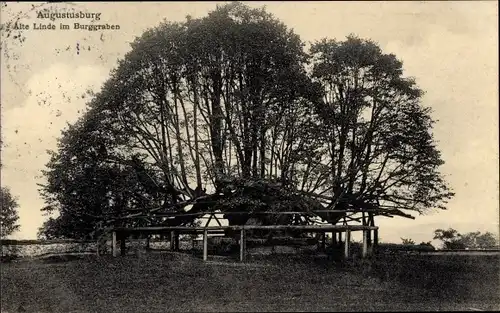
(56, 97)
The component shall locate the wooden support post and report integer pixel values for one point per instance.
(340, 237)
(205, 245)
(217, 220)
(347, 243)
(365, 243)
(172, 241)
(209, 219)
(375, 234)
(176, 243)
(334, 238)
(113, 244)
(122, 245)
(369, 237)
(323, 242)
(242, 245)
(375, 239)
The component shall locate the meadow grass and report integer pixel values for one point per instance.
(164, 282)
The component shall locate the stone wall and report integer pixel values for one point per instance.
(26, 249)
(34, 250)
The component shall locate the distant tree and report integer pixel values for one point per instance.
(446, 235)
(469, 240)
(487, 240)
(452, 240)
(427, 244)
(476, 240)
(406, 241)
(8, 213)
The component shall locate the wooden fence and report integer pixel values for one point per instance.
(122, 233)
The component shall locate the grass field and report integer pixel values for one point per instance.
(180, 282)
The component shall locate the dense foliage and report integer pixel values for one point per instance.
(228, 112)
(453, 240)
(8, 213)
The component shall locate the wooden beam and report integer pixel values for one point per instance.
(205, 244)
(217, 220)
(378, 211)
(113, 244)
(311, 228)
(347, 244)
(242, 245)
(209, 219)
(353, 219)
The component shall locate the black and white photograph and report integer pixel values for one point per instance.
(249, 156)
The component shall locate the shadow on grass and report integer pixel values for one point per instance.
(463, 278)
(157, 282)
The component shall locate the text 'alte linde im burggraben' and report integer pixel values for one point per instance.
(52, 16)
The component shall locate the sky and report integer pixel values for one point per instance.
(450, 47)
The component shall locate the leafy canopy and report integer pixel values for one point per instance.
(229, 112)
(8, 213)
